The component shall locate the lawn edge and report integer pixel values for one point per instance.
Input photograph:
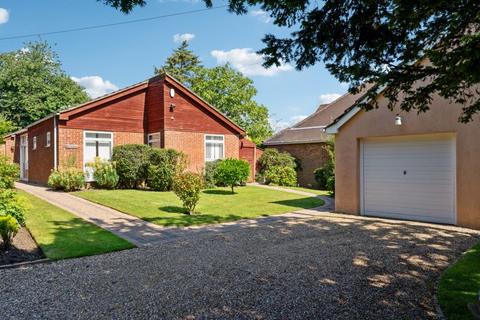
(438, 305)
(325, 203)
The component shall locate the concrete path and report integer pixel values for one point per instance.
(142, 233)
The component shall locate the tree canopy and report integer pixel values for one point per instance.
(181, 65)
(233, 94)
(5, 127)
(224, 88)
(33, 84)
(379, 42)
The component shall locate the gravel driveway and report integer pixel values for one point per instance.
(332, 267)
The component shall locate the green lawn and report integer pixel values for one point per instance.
(460, 285)
(62, 235)
(216, 205)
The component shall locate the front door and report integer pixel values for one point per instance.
(24, 157)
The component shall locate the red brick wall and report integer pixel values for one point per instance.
(8, 148)
(311, 156)
(70, 145)
(40, 161)
(193, 145)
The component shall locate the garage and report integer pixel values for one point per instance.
(409, 177)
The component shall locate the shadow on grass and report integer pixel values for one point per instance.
(186, 220)
(301, 203)
(220, 192)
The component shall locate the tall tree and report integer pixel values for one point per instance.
(378, 41)
(33, 84)
(182, 64)
(5, 127)
(233, 94)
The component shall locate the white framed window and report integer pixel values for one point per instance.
(48, 140)
(154, 140)
(96, 144)
(214, 147)
(34, 143)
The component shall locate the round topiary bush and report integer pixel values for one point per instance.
(232, 172)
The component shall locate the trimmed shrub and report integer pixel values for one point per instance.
(232, 172)
(273, 158)
(187, 187)
(11, 204)
(281, 175)
(9, 173)
(164, 165)
(8, 229)
(131, 164)
(325, 176)
(209, 174)
(67, 179)
(104, 173)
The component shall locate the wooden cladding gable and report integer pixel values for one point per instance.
(185, 113)
(126, 114)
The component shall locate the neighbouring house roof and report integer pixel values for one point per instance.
(67, 113)
(312, 128)
(333, 127)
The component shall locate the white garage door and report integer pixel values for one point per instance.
(409, 178)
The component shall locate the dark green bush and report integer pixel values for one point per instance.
(281, 175)
(232, 172)
(104, 173)
(209, 174)
(8, 229)
(272, 158)
(164, 165)
(132, 162)
(325, 176)
(9, 173)
(187, 187)
(11, 204)
(67, 179)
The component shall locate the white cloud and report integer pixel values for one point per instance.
(328, 97)
(178, 38)
(248, 62)
(278, 125)
(261, 15)
(4, 15)
(95, 86)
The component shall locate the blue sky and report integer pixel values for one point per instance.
(109, 58)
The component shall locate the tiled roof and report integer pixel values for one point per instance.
(312, 128)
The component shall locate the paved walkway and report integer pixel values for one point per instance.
(142, 233)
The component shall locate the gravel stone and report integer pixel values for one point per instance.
(328, 267)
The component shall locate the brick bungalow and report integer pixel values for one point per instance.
(306, 139)
(160, 112)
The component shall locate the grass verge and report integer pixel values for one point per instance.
(62, 235)
(460, 284)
